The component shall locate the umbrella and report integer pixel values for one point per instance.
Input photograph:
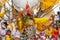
(22, 3)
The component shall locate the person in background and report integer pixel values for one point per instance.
(16, 34)
(8, 35)
(3, 31)
(55, 32)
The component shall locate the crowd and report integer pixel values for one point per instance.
(8, 34)
(51, 33)
(30, 33)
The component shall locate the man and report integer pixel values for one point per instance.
(16, 33)
(3, 32)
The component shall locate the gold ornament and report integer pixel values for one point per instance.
(46, 4)
(2, 13)
(2, 2)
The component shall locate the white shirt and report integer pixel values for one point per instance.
(16, 33)
(56, 18)
(35, 12)
(2, 32)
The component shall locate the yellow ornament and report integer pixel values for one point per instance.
(59, 1)
(39, 27)
(46, 4)
(19, 24)
(2, 2)
(2, 13)
(21, 30)
(49, 32)
(10, 26)
(41, 20)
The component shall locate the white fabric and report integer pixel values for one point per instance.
(10, 9)
(2, 21)
(2, 24)
(16, 33)
(56, 18)
(22, 3)
(35, 12)
(56, 8)
(3, 38)
(2, 32)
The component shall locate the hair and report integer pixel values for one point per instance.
(9, 31)
(56, 27)
(5, 24)
(58, 12)
(59, 21)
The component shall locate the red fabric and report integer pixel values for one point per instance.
(27, 6)
(27, 11)
(55, 33)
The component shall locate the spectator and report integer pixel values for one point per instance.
(55, 33)
(3, 32)
(8, 35)
(16, 33)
